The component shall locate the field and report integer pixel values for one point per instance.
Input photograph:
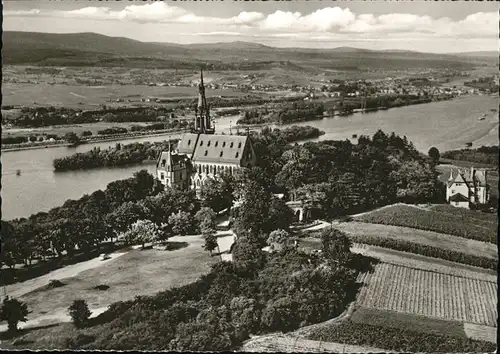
(466, 226)
(430, 294)
(91, 97)
(138, 272)
(448, 242)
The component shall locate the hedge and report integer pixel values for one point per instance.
(398, 339)
(428, 251)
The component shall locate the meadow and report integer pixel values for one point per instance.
(465, 225)
(92, 97)
(138, 272)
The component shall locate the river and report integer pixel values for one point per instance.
(446, 125)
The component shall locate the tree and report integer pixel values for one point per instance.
(79, 312)
(13, 311)
(71, 138)
(280, 216)
(434, 155)
(336, 246)
(206, 219)
(218, 193)
(280, 240)
(210, 241)
(125, 215)
(142, 231)
(281, 314)
(416, 182)
(247, 251)
(180, 222)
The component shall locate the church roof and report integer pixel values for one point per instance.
(187, 143)
(220, 148)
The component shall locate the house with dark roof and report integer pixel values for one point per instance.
(209, 154)
(173, 169)
(466, 188)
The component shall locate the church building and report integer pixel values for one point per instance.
(202, 154)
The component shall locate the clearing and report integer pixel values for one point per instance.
(137, 272)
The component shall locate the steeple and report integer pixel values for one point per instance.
(203, 124)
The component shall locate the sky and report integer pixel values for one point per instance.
(426, 26)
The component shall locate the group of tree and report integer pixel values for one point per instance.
(83, 226)
(119, 155)
(258, 293)
(29, 117)
(337, 177)
(136, 114)
(170, 124)
(298, 112)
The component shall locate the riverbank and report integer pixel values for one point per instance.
(7, 148)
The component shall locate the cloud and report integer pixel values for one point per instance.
(321, 23)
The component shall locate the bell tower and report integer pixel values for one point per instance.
(202, 123)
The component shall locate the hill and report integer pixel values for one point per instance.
(91, 49)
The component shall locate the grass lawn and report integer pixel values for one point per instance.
(408, 321)
(429, 238)
(139, 272)
(432, 220)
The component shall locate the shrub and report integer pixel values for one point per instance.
(13, 311)
(55, 284)
(79, 312)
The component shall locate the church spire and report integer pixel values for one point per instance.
(203, 122)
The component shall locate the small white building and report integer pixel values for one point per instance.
(467, 187)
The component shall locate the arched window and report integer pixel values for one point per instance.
(216, 143)
(197, 183)
(221, 153)
(231, 146)
(208, 144)
(201, 143)
(239, 145)
(199, 168)
(211, 169)
(224, 144)
(237, 155)
(189, 142)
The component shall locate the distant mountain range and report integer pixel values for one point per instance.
(83, 49)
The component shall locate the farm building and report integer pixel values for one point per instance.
(466, 188)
